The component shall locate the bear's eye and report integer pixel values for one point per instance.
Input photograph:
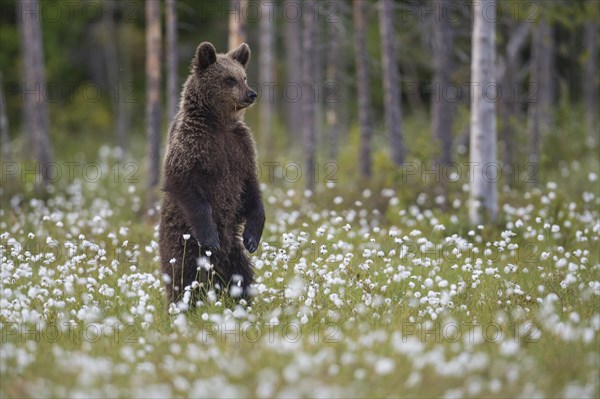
(230, 80)
(245, 80)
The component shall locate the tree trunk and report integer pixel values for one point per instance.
(510, 103)
(333, 84)
(108, 38)
(266, 72)
(36, 109)
(308, 104)
(391, 81)
(93, 54)
(442, 103)
(172, 59)
(318, 63)
(4, 136)
(413, 92)
(483, 205)
(126, 88)
(590, 78)
(362, 76)
(542, 80)
(153, 78)
(237, 23)
(293, 54)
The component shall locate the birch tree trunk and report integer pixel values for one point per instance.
(293, 59)
(333, 84)
(172, 59)
(35, 109)
(153, 78)
(318, 63)
(237, 23)
(108, 37)
(362, 76)
(308, 103)
(391, 82)
(510, 104)
(442, 106)
(266, 72)
(483, 205)
(590, 78)
(542, 79)
(125, 87)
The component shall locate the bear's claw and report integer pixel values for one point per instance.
(250, 243)
(212, 244)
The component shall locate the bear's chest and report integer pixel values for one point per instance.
(238, 153)
(234, 162)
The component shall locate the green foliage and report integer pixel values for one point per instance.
(74, 115)
(85, 260)
(344, 240)
(75, 45)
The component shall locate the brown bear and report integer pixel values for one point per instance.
(211, 187)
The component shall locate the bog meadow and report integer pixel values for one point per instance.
(429, 171)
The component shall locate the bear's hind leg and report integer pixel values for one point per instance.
(241, 273)
(184, 271)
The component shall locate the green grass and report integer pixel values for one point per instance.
(377, 293)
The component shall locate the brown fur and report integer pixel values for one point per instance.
(210, 177)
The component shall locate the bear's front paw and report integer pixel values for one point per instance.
(250, 242)
(210, 244)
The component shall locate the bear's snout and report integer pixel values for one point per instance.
(251, 95)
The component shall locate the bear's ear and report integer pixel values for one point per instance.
(205, 56)
(241, 54)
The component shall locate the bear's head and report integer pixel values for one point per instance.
(220, 79)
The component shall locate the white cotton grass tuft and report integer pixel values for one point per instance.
(327, 293)
(203, 263)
